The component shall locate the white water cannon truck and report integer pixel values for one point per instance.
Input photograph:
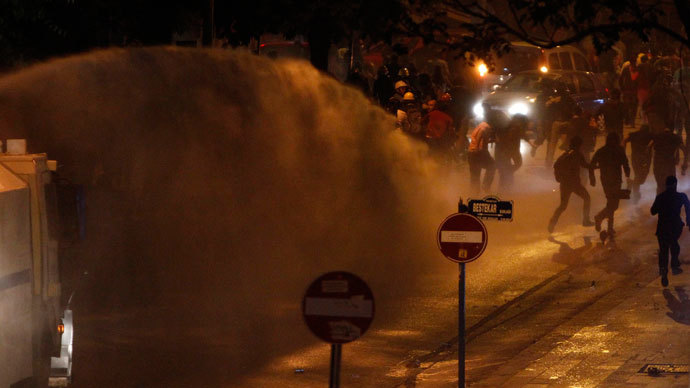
(36, 330)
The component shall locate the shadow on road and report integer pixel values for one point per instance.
(567, 255)
(615, 260)
(680, 307)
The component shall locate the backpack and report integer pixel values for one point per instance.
(560, 167)
(414, 119)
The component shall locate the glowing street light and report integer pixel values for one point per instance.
(482, 69)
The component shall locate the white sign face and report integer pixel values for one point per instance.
(458, 236)
(356, 307)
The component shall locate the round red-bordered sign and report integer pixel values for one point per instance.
(462, 237)
(338, 307)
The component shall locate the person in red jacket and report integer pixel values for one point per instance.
(439, 127)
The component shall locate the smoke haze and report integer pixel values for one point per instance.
(218, 185)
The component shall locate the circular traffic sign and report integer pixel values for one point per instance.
(338, 307)
(462, 237)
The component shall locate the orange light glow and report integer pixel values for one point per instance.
(482, 69)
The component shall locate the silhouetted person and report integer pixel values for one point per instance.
(559, 109)
(356, 79)
(660, 105)
(629, 90)
(668, 205)
(383, 86)
(643, 80)
(609, 159)
(666, 156)
(641, 157)
(567, 171)
(582, 125)
(508, 156)
(614, 113)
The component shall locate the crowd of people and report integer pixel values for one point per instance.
(425, 104)
(648, 96)
(657, 107)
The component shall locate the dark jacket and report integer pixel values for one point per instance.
(567, 168)
(610, 159)
(639, 144)
(666, 146)
(667, 205)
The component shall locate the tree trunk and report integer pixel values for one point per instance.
(208, 25)
(320, 36)
(319, 46)
(683, 9)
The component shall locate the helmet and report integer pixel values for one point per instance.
(404, 72)
(400, 84)
(446, 97)
(409, 96)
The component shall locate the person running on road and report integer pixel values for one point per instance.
(609, 159)
(508, 156)
(629, 90)
(567, 171)
(643, 80)
(479, 158)
(559, 110)
(614, 113)
(641, 157)
(666, 156)
(669, 227)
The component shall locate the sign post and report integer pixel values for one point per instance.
(334, 379)
(461, 238)
(338, 307)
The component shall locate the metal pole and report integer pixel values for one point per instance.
(336, 353)
(213, 23)
(461, 327)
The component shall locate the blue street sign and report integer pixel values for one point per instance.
(491, 208)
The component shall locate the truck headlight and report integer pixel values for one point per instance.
(478, 110)
(518, 108)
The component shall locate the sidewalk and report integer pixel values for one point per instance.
(650, 326)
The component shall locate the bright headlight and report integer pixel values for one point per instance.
(478, 110)
(518, 108)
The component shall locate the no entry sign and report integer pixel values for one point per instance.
(462, 237)
(338, 307)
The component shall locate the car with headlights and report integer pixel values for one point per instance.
(523, 56)
(526, 92)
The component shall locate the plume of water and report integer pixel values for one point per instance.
(219, 183)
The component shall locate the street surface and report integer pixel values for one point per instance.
(542, 311)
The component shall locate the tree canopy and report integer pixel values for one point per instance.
(322, 22)
(550, 23)
(36, 29)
